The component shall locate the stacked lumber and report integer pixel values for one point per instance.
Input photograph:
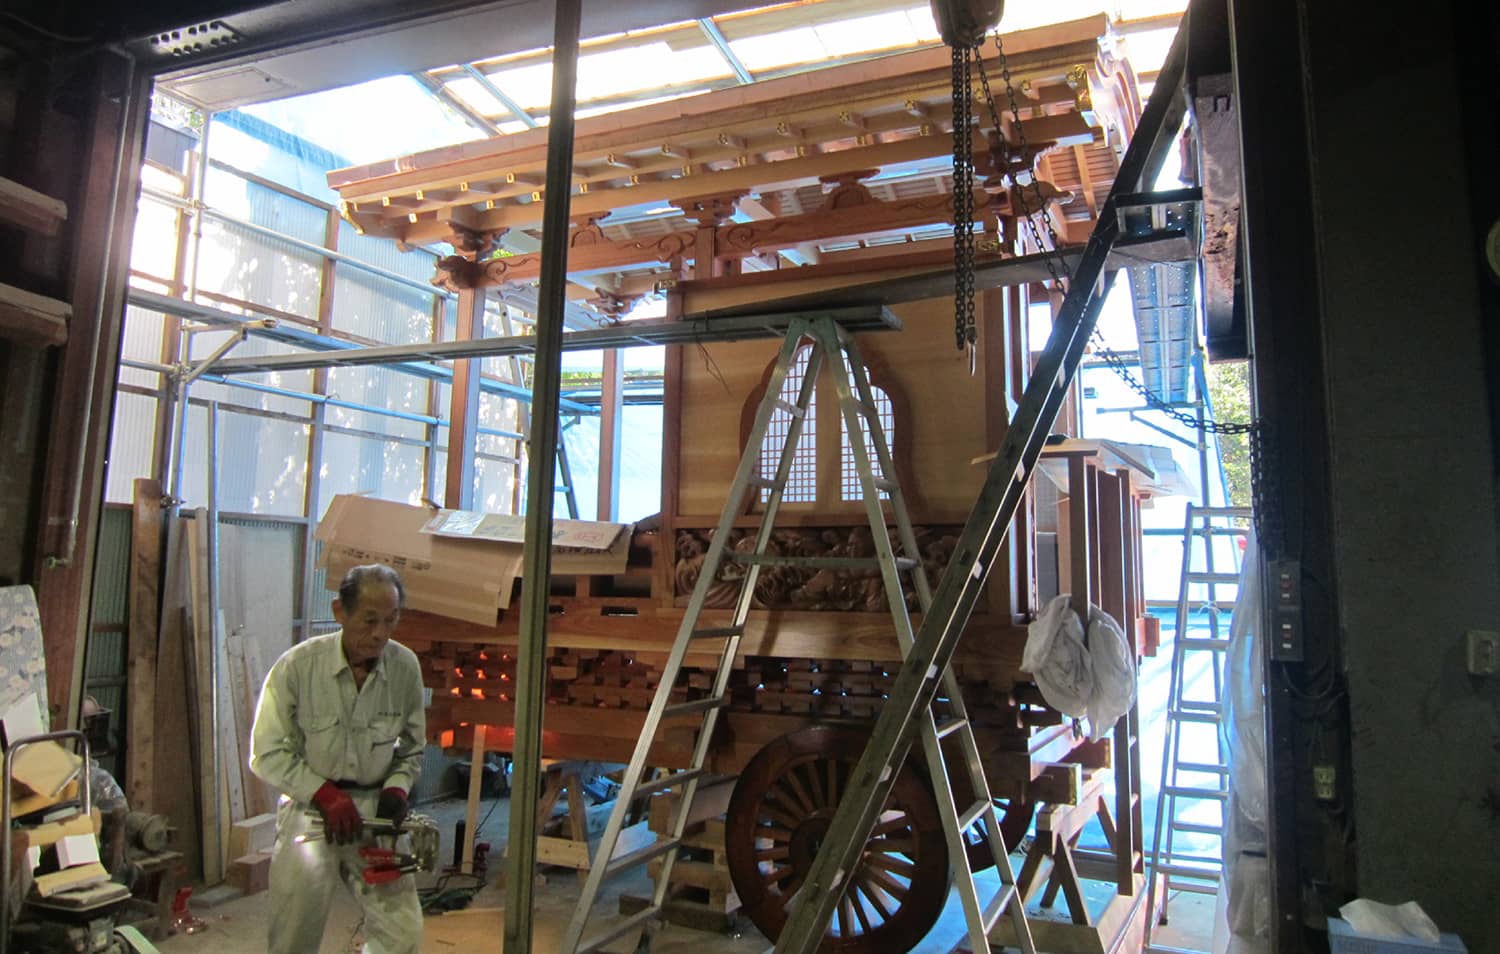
(700, 892)
(201, 655)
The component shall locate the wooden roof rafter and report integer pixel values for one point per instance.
(864, 104)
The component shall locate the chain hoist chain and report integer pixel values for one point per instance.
(1024, 176)
(965, 332)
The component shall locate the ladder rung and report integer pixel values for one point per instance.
(887, 485)
(616, 931)
(789, 408)
(1183, 871)
(1206, 717)
(1195, 828)
(669, 781)
(1224, 578)
(996, 907)
(640, 856)
(1207, 768)
(1202, 862)
(765, 483)
(863, 408)
(1203, 643)
(697, 705)
(949, 726)
(976, 811)
(1184, 791)
(1200, 705)
(819, 563)
(717, 632)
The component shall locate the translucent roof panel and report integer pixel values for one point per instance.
(370, 121)
(814, 43)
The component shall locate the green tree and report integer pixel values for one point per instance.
(1229, 390)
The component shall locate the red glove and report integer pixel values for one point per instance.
(392, 805)
(341, 821)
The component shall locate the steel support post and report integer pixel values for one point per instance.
(536, 564)
(964, 579)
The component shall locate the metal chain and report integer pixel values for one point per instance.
(965, 332)
(1018, 166)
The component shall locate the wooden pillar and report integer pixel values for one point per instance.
(103, 217)
(611, 422)
(463, 418)
(1078, 534)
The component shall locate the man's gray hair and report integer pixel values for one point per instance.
(370, 574)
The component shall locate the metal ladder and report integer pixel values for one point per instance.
(1183, 780)
(963, 581)
(862, 423)
(564, 484)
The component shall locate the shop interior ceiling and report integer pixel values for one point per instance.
(293, 48)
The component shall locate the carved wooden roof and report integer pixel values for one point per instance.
(794, 170)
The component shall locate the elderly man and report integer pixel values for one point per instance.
(339, 731)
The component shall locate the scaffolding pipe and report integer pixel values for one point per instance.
(316, 399)
(204, 210)
(536, 564)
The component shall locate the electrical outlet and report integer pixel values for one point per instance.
(1484, 652)
(1324, 779)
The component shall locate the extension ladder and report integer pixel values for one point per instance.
(830, 342)
(978, 546)
(1188, 783)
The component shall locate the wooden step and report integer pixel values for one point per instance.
(33, 319)
(31, 210)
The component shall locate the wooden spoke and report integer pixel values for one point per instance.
(780, 814)
(891, 863)
(815, 785)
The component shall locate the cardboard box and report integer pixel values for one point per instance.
(253, 835)
(251, 873)
(460, 564)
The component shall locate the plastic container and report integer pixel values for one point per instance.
(1343, 939)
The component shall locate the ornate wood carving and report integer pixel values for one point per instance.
(805, 588)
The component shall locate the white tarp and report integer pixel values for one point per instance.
(1089, 676)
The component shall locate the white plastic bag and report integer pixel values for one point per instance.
(1112, 660)
(1078, 677)
(1056, 657)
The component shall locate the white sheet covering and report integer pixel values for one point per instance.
(1080, 676)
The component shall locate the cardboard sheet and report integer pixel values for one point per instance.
(451, 572)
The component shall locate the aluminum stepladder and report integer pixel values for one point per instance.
(1183, 779)
(564, 484)
(1005, 486)
(862, 425)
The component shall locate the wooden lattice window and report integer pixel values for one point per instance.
(802, 479)
(849, 474)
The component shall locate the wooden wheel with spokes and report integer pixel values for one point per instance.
(780, 812)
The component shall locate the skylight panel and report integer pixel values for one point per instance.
(640, 68)
(776, 50)
(882, 31)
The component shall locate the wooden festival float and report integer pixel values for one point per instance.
(820, 189)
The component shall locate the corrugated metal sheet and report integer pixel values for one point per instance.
(131, 440)
(112, 568)
(290, 537)
(1164, 297)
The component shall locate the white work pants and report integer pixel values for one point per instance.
(303, 877)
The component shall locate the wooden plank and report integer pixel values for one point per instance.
(33, 319)
(31, 210)
(199, 640)
(1079, 535)
(175, 783)
(252, 835)
(145, 610)
(471, 810)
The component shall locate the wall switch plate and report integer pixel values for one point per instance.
(1284, 588)
(1325, 778)
(1484, 652)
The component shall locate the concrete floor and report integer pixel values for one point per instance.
(237, 926)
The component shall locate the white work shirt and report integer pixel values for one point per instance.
(314, 725)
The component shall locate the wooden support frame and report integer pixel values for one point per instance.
(463, 416)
